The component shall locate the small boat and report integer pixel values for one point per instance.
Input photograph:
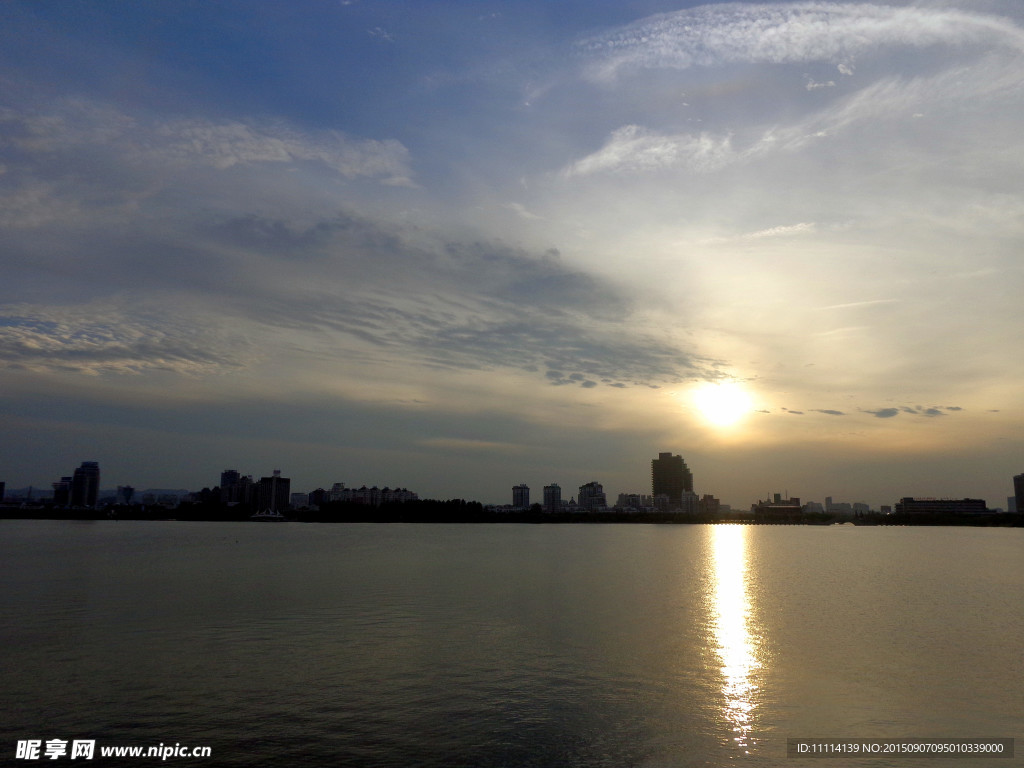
(269, 516)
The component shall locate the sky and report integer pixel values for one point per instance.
(458, 246)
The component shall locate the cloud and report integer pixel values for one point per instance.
(782, 231)
(104, 339)
(475, 305)
(885, 413)
(919, 410)
(785, 33)
(381, 34)
(634, 149)
(829, 412)
(859, 304)
(522, 212)
(813, 85)
(913, 410)
(67, 126)
(470, 445)
(241, 234)
(763, 34)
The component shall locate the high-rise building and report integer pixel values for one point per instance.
(670, 476)
(229, 478)
(62, 492)
(592, 497)
(273, 493)
(521, 496)
(85, 485)
(552, 498)
(236, 488)
(1018, 491)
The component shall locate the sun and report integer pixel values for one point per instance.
(723, 403)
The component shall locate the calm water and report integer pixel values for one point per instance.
(508, 645)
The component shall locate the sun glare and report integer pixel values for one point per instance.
(723, 403)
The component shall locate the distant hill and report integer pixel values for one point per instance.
(140, 492)
(38, 493)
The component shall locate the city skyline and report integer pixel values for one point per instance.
(669, 474)
(475, 244)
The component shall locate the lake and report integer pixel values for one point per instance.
(508, 645)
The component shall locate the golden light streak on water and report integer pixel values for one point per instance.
(731, 624)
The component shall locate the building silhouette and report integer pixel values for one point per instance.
(709, 505)
(592, 497)
(62, 492)
(521, 496)
(236, 488)
(778, 510)
(1018, 492)
(910, 505)
(670, 477)
(85, 485)
(229, 478)
(373, 497)
(273, 493)
(552, 498)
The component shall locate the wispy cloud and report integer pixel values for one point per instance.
(104, 339)
(784, 230)
(636, 149)
(913, 410)
(789, 33)
(859, 304)
(785, 33)
(465, 305)
(66, 126)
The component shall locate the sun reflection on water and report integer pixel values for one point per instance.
(731, 624)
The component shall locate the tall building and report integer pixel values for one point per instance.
(1018, 492)
(592, 497)
(229, 478)
(236, 488)
(273, 493)
(552, 498)
(521, 496)
(670, 476)
(85, 485)
(62, 492)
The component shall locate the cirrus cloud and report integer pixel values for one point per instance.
(790, 32)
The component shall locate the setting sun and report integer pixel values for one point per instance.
(723, 403)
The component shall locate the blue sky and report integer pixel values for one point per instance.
(459, 246)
